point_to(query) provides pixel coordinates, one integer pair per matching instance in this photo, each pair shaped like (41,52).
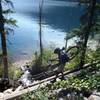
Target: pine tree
(90,24)
(3,32)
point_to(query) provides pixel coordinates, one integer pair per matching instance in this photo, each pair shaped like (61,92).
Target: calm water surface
(59,16)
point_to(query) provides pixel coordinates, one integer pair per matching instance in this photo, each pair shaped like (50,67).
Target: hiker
(62,59)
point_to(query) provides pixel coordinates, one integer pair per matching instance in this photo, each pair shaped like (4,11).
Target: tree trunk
(40,30)
(3,43)
(66,42)
(86,31)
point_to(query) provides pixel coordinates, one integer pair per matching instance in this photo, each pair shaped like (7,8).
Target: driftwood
(43,82)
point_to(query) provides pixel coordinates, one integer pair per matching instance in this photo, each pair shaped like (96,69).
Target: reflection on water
(59,16)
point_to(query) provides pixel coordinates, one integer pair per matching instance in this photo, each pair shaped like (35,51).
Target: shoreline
(20,63)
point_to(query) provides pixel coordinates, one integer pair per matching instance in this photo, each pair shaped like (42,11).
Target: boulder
(1,95)
(94,97)
(85,98)
(26,78)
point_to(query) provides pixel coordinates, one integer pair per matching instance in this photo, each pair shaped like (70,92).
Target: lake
(58,17)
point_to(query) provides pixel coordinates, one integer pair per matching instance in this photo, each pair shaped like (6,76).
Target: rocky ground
(20,63)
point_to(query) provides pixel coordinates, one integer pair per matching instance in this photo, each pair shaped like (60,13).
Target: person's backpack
(64,58)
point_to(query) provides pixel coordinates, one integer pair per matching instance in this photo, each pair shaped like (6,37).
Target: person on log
(62,58)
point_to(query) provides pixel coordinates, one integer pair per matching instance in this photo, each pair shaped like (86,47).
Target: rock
(58,79)
(94,97)
(61,98)
(8,91)
(96,93)
(24,68)
(26,78)
(85,98)
(1,95)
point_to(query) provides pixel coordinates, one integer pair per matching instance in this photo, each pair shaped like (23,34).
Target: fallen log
(81,68)
(34,86)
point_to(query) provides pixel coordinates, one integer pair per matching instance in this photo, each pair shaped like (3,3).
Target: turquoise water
(59,16)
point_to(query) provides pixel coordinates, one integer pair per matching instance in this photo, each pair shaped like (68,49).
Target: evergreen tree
(90,24)
(3,32)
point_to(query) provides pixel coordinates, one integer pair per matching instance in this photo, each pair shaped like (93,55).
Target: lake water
(59,16)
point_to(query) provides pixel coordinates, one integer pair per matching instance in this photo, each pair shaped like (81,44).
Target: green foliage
(90,27)
(7,11)
(27,96)
(11,21)
(92,55)
(71,83)
(1,70)
(39,94)
(87,80)
(93,79)
(72,64)
(98,5)
(14,73)
(75,61)
(88,83)
(36,64)
(47,54)
(95,27)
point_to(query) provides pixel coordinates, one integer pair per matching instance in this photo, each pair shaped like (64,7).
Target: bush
(14,73)
(82,82)
(39,94)
(37,66)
